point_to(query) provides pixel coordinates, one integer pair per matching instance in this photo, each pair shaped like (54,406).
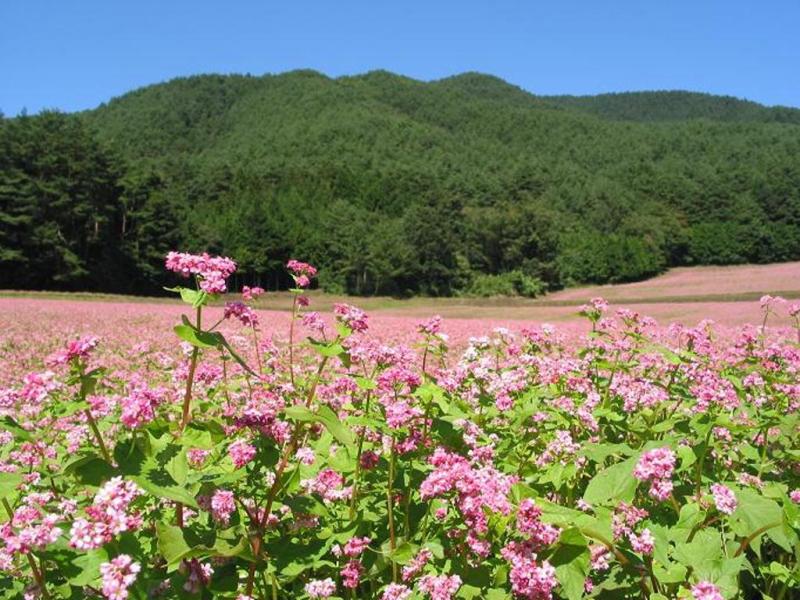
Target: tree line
(391,186)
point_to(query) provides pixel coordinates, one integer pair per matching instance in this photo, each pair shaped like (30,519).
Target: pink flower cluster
(223,505)
(30,528)
(107,516)
(656,466)
(320,588)
(352,317)
(328,484)
(211,271)
(644,543)
(396,591)
(118,576)
(351,574)
(75,349)
(302,273)
(724,498)
(705,590)
(529,523)
(241,453)
(439,587)
(239,310)
(356,546)
(476,489)
(529,578)
(139,406)
(251,293)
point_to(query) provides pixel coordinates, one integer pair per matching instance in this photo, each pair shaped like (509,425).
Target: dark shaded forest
(466,185)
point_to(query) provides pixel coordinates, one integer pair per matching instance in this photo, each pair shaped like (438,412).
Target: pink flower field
(211,449)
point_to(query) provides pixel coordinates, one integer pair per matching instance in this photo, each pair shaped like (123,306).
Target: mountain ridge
(466,184)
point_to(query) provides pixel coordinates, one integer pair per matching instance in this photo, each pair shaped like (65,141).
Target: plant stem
(746,541)
(390,508)
(701,462)
(37,574)
(98,437)
(358,460)
(291,339)
(291,447)
(258,353)
(187,396)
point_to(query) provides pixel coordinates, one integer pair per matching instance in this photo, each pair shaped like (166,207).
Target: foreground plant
(642,462)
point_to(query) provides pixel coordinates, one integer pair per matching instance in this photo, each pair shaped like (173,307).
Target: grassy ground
(726,294)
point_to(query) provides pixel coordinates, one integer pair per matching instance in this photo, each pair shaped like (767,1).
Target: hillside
(676,106)
(395,186)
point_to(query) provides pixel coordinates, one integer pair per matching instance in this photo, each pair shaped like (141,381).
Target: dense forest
(466,185)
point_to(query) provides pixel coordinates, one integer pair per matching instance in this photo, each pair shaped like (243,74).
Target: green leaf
(9,483)
(614,484)
(571,560)
(196,298)
(701,552)
(89,565)
(756,513)
(468,592)
(365,383)
(171,543)
(687,457)
(330,350)
(690,516)
(11,425)
(325,416)
(151,474)
(198,339)
(403,553)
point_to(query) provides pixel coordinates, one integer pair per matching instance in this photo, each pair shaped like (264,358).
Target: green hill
(391,185)
(676,106)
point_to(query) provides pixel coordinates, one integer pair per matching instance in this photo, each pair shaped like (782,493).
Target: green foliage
(394,186)
(511,283)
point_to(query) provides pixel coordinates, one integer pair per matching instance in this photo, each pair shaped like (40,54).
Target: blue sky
(73,55)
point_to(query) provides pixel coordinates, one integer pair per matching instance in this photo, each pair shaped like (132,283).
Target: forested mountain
(677,106)
(391,185)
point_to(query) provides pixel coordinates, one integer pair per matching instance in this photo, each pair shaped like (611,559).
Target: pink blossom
(396,591)
(352,317)
(197,456)
(642,543)
(415,565)
(529,523)
(241,453)
(328,484)
(320,588)
(440,587)
(301,272)
(351,574)
(305,455)
(75,349)
(251,293)
(118,576)
(211,271)
(223,505)
(529,578)
(238,310)
(655,464)
(107,516)
(724,498)
(355,546)
(705,590)
(369,460)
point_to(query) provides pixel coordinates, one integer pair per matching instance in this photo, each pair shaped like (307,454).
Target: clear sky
(75,54)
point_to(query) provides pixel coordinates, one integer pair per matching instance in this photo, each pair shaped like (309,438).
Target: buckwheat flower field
(235,453)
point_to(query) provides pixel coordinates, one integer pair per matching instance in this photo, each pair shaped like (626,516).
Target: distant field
(727,295)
